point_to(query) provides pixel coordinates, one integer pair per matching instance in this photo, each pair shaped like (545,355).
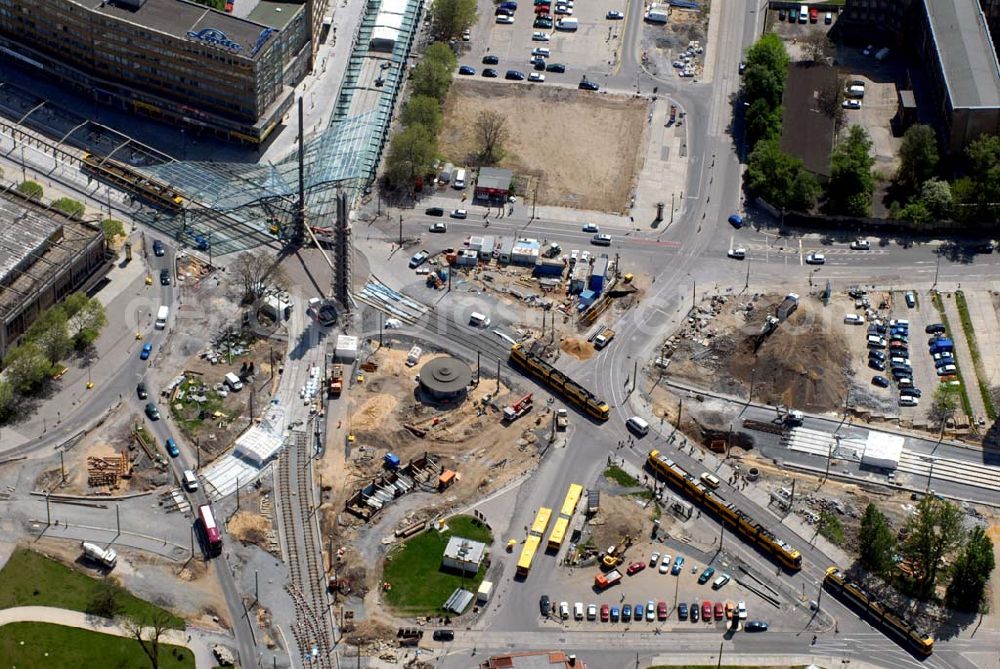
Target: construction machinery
(615,555)
(336,380)
(602,581)
(518,408)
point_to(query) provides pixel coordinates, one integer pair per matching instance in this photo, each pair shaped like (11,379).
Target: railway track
(310,628)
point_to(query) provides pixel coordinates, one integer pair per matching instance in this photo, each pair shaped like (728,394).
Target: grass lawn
(621,477)
(419,586)
(44,645)
(31,579)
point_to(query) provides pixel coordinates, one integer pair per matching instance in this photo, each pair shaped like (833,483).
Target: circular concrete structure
(445,378)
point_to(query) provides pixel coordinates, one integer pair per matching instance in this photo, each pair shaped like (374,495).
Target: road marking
(800,253)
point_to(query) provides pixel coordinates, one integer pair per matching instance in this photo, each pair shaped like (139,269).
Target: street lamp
(930,473)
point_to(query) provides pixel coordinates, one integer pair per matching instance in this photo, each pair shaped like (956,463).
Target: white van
(190,480)
(711,480)
(854,319)
(804,14)
(233,382)
(578,611)
(161,317)
(637,425)
(479,320)
(458,182)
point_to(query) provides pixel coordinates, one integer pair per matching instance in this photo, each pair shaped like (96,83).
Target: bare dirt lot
(555,134)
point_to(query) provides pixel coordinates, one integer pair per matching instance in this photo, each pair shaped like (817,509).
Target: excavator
(615,555)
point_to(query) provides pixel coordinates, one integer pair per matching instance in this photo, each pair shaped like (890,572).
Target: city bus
(558,534)
(572,499)
(213,537)
(527,555)
(541,522)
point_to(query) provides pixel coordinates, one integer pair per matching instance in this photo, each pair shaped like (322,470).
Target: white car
(653,559)
(542,51)
(467,35)
(563,10)
(739,253)
(591,227)
(615,16)
(908,401)
(650,611)
(459,213)
(536,76)
(860,245)
(601,239)
(815,258)
(592,612)
(439,227)
(540,37)
(851,104)
(741,610)
(505,20)
(665,563)
(563,610)
(578,611)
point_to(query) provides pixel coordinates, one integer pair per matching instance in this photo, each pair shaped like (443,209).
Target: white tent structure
(257,446)
(882,451)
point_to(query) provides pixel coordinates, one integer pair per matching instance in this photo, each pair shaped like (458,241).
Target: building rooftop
(275,14)
(494,178)
(189,20)
(23,235)
(966,51)
(465,550)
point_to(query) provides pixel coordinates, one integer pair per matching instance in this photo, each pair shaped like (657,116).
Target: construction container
(598,275)
(347,348)
(391,461)
(549,268)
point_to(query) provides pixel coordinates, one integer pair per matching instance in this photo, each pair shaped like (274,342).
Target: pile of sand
(373,412)
(249,528)
(578,348)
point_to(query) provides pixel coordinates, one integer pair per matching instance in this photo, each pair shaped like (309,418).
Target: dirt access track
(585,147)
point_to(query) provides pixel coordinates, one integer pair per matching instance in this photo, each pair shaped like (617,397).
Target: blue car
(627,612)
(639,612)
(467,69)
(706,575)
(615,614)
(146,350)
(678,563)
(736,221)
(682,611)
(172,448)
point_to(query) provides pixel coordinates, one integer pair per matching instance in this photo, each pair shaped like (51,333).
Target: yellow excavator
(615,555)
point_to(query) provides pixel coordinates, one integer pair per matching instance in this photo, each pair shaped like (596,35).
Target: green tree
(761,122)
(877,542)
(86,322)
(31,190)
(50,333)
(918,158)
(936,196)
(6,400)
(851,184)
(70,207)
(441,53)
(106,600)
(971,572)
(491,132)
(422,110)
(112,228)
(768,52)
(27,368)
(831,528)
(411,154)
(779,178)
(980,190)
(932,533)
(945,403)
(450,18)
(916,212)
(431,78)
(760,83)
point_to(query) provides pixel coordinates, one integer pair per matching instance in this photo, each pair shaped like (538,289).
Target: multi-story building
(951,40)
(173,60)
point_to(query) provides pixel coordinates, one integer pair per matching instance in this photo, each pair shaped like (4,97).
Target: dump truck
(106,557)
(602,581)
(518,408)
(336,380)
(604,339)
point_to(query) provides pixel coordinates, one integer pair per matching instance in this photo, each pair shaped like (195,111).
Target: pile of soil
(578,348)
(373,412)
(249,528)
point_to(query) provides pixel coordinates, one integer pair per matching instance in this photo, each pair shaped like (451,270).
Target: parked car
(626,612)
(140,390)
(545,605)
(695,612)
(876,364)
(908,401)
(605,613)
(721,581)
(720,612)
(736,221)
(614,16)
(682,611)
(514,75)
(147,349)
(491,60)
(915,392)
(665,564)
(443,635)
(505,20)
(555,67)
(543,22)
(434,211)
(880,381)
(815,258)
(654,558)
(536,77)
(635,568)
(564,610)
(172,449)
(706,611)
(615,614)
(592,612)
(638,611)
(418,259)
(164,277)
(935,328)
(678,563)
(706,575)
(661,610)
(911,299)
(757,625)
(738,253)
(490,73)
(467,70)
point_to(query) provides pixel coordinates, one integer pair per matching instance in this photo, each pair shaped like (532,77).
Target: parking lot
(678,593)
(589,50)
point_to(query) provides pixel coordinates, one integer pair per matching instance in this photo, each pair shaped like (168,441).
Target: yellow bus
(572,499)
(541,522)
(527,555)
(558,534)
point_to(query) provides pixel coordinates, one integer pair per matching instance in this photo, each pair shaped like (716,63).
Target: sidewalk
(197,642)
(983,315)
(964,357)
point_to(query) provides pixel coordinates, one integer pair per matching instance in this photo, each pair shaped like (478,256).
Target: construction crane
(518,408)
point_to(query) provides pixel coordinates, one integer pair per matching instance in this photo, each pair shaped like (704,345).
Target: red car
(661,611)
(720,612)
(813,15)
(542,9)
(635,568)
(605,613)
(706,611)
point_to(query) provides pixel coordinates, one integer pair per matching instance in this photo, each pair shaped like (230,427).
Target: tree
(87,320)
(112,228)
(768,52)
(918,158)
(933,532)
(423,110)
(147,630)
(70,207)
(936,197)
(450,18)
(851,184)
(491,132)
(877,542)
(971,572)
(256,273)
(31,190)
(829,99)
(779,178)
(915,212)
(431,78)
(7,400)
(27,367)
(411,155)
(761,122)
(760,83)
(945,403)
(49,332)
(441,53)
(106,600)
(817,46)
(831,528)
(980,190)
